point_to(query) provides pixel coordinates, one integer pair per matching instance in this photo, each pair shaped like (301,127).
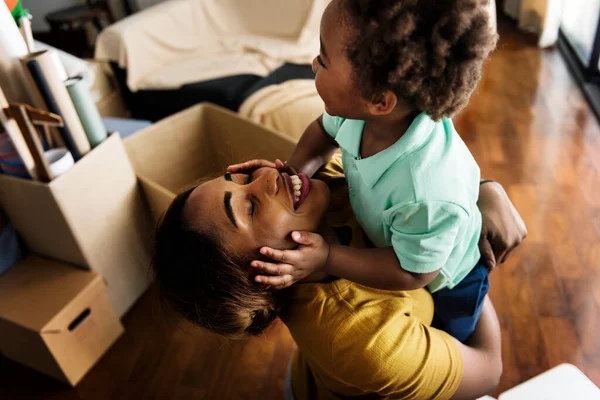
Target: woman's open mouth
(298,188)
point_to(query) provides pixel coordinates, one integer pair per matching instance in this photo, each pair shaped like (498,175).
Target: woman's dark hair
(429,52)
(205,284)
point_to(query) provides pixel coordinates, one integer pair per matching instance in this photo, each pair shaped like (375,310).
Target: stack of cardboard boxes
(60,319)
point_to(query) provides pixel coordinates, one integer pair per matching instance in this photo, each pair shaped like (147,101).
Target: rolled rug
(86,109)
(42,71)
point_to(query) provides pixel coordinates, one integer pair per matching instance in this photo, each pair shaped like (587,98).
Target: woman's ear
(383,103)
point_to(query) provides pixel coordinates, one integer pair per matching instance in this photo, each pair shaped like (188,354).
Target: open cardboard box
(93,216)
(55,318)
(197,143)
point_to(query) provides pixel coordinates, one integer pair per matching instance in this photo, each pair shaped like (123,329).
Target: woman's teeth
(297,185)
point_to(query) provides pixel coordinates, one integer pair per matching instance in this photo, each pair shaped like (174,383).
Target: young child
(391,73)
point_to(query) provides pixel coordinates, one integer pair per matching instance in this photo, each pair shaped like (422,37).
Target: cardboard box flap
(158,197)
(171,152)
(86,163)
(200,142)
(34,291)
(106,212)
(234,139)
(46,231)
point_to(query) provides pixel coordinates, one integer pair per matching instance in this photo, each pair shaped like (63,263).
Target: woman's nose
(267,184)
(315,65)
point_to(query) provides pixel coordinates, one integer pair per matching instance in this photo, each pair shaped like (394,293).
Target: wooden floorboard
(529,127)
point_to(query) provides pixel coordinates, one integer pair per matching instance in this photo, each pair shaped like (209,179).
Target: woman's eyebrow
(227,177)
(228,209)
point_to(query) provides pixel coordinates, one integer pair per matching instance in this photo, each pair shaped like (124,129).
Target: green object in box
(16,9)
(87,111)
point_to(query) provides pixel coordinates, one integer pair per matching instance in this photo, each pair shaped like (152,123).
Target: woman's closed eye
(251,206)
(251,200)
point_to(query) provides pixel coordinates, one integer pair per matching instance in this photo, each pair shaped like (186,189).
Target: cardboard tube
(86,108)
(12,47)
(60,67)
(25,29)
(41,70)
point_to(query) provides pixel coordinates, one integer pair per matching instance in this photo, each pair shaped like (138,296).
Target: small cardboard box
(93,216)
(196,143)
(55,318)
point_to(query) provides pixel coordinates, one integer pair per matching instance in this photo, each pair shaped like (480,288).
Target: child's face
(335,78)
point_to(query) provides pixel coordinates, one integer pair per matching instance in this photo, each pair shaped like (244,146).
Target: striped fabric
(10,162)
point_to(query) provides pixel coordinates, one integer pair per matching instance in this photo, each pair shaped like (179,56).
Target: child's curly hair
(429,52)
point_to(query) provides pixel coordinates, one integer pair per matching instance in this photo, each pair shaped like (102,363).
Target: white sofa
(180,42)
(183,52)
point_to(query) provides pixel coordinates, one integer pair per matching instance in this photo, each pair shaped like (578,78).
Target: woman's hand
(257,164)
(293,265)
(502,229)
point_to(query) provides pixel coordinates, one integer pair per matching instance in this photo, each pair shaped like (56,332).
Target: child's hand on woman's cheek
(293,265)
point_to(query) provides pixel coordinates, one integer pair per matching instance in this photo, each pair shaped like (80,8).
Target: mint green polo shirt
(418,196)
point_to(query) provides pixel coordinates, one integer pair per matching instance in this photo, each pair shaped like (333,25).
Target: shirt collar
(349,136)
(372,168)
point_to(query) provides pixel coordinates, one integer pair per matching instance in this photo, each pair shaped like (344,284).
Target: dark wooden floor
(530,128)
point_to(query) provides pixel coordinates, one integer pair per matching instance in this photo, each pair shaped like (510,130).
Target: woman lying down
(353,341)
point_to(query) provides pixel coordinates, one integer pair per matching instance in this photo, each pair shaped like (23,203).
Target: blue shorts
(457,310)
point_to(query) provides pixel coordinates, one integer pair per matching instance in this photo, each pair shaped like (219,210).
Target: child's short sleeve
(332,124)
(424,234)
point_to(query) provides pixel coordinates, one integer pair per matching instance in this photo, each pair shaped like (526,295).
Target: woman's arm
(384,348)
(313,150)
(482,357)
(503,228)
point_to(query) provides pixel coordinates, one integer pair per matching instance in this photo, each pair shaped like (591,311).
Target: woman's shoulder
(328,312)
(373,338)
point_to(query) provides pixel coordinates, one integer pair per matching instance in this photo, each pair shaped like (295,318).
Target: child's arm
(313,150)
(376,268)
